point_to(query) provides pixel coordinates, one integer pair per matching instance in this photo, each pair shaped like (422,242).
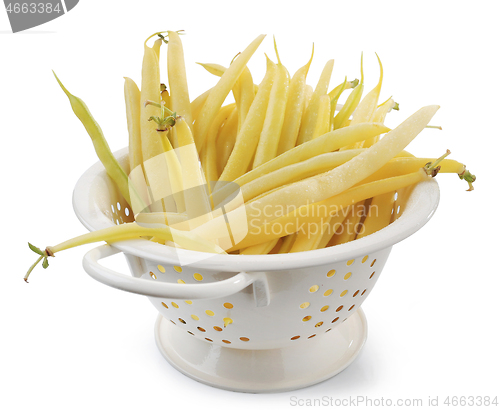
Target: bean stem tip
(467,176)
(43,255)
(432,168)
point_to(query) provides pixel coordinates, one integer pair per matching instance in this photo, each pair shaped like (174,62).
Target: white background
(70,342)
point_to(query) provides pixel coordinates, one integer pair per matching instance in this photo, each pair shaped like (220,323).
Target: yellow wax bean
(342,118)
(334,97)
(220,92)
(160,217)
(294,172)
(335,237)
(346,85)
(323,120)
(197,104)
(244,95)
(378,215)
(248,137)
(313,213)
(122,232)
(263,195)
(346,175)
(288,225)
(243,90)
(326,143)
(351,225)
(165,97)
(379,116)
(311,114)
(150,90)
(101,147)
(335,223)
(215,69)
(226,140)
(194,185)
(158,240)
(308,95)
(308,92)
(267,147)
(406,165)
(306,239)
(260,249)
(277,247)
(288,242)
(151,140)
(133,109)
(203,159)
(156,47)
(405,154)
(383,109)
(179,94)
(311,239)
(294,108)
(210,159)
(218,70)
(366,108)
(173,177)
(351,103)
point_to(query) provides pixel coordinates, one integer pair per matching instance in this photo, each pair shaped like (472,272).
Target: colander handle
(173,290)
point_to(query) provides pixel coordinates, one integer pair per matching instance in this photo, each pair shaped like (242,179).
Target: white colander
(255,323)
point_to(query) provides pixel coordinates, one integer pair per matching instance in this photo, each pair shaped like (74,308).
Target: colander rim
(420,207)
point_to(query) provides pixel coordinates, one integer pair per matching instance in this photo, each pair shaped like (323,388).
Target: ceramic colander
(252,323)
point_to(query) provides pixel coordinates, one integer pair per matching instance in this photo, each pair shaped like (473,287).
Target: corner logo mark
(27,14)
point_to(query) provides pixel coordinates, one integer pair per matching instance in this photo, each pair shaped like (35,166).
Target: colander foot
(263,371)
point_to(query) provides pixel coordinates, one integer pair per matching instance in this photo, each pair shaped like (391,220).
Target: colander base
(263,371)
